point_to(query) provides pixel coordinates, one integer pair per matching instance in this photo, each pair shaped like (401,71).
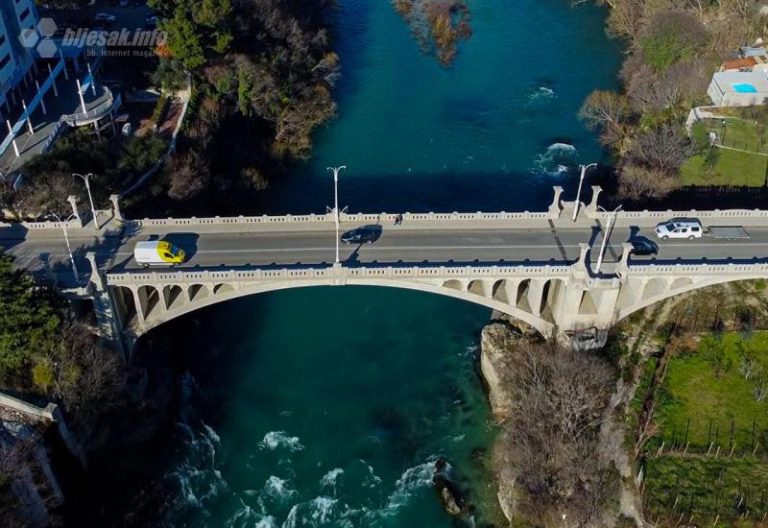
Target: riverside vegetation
(672,50)
(438,25)
(48,353)
(261,67)
(666,425)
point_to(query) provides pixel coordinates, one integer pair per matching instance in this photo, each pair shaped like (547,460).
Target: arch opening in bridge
(173,296)
(197,292)
(149,299)
(500,292)
(478,288)
(454,284)
(653,288)
(550,294)
(122,296)
(221,289)
(521,301)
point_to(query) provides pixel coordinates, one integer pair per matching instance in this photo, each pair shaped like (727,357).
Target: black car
(362,235)
(643,247)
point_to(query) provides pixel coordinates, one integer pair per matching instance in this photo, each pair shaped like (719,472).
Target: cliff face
(550,402)
(496,341)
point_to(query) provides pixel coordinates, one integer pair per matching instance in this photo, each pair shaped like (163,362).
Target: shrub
(43,374)
(672,36)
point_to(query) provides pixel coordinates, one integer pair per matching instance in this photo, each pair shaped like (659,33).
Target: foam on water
(329,480)
(540,94)
(412,480)
(557,159)
(279,489)
(371,479)
(279,439)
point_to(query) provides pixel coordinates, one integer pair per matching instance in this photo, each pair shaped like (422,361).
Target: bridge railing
(693,213)
(699,269)
(328,217)
(329,273)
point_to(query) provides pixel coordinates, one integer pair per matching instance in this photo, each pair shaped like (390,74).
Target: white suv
(689,228)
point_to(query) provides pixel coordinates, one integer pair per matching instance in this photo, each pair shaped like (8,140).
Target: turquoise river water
(328,407)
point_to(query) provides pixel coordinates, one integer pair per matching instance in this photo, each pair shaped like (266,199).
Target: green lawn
(706,488)
(725,167)
(692,403)
(696,406)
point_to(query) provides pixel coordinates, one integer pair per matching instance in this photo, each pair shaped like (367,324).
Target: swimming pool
(744,88)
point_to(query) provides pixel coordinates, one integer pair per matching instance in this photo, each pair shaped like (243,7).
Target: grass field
(696,406)
(725,167)
(702,398)
(706,488)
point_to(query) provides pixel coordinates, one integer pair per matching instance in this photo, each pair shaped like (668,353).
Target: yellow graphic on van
(170,253)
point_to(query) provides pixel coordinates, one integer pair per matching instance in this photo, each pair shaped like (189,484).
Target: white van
(689,228)
(157,253)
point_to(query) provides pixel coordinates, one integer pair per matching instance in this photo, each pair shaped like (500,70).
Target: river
(329,407)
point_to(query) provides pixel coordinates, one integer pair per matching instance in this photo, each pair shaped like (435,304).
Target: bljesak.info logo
(123,41)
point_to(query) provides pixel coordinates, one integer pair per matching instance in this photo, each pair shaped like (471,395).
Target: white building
(16,16)
(739,88)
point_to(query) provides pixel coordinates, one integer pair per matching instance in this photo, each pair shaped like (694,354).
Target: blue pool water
(744,88)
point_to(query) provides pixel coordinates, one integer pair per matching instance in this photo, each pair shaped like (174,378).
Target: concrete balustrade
(588,212)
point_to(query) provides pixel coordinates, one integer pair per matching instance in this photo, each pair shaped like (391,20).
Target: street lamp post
(610,222)
(336,206)
(87,179)
(584,169)
(63,224)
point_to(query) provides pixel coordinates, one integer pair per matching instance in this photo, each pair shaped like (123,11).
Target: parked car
(641,246)
(680,228)
(362,235)
(104,18)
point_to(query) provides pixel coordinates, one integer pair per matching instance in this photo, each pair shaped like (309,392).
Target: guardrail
(327,272)
(407,218)
(698,269)
(102,110)
(331,273)
(328,217)
(666,215)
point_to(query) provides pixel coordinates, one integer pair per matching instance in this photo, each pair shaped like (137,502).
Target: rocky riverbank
(555,458)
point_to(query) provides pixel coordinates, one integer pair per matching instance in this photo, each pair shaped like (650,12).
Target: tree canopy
(29,320)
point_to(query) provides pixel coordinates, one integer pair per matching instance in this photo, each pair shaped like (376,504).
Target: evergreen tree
(29,321)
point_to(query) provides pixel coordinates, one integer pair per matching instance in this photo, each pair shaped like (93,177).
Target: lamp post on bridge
(87,180)
(64,224)
(584,169)
(336,171)
(610,222)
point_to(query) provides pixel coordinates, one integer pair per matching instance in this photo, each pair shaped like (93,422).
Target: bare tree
(551,434)
(189,174)
(664,148)
(89,377)
(48,194)
(638,183)
(604,108)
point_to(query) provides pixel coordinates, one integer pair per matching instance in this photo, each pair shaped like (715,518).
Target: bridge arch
(201,296)
(676,287)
